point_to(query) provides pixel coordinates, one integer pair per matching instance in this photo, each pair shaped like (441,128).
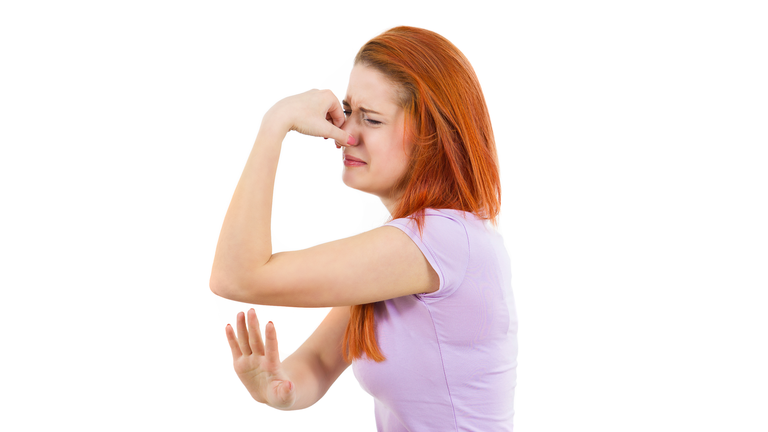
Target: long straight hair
(453,164)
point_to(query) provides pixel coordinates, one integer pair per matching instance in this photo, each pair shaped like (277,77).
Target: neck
(389,203)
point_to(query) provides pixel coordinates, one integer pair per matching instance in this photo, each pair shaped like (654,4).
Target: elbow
(221,287)
(216,288)
(237,290)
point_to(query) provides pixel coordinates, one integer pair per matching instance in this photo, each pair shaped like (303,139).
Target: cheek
(396,167)
(403,163)
(393,155)
(403,158)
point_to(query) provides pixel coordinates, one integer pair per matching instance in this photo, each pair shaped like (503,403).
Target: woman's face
(373,116)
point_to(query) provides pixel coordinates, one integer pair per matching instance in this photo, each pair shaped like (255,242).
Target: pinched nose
(354,134)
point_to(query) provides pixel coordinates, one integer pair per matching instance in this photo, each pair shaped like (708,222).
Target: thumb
(341,137)
(285,390)
(285,394)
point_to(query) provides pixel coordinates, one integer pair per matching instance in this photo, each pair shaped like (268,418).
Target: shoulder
(440,229)
(444,241)
(436,221)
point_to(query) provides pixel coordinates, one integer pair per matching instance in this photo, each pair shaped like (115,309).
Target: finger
(330,120)
(242,334)
(342,138)
(337,119)
(336,113)
(271,353)
(232,339)
(254,333)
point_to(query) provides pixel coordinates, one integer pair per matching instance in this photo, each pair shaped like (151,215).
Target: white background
(632,138)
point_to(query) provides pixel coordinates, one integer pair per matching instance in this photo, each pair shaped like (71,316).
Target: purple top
(451,355)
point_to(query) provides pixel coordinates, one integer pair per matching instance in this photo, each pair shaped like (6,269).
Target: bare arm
(245,240)
(304,377)
(317,364)
(380,264)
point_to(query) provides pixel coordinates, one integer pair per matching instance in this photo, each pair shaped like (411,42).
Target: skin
(379,264)
(377,122)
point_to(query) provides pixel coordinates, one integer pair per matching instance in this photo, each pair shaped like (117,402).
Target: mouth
(353,161)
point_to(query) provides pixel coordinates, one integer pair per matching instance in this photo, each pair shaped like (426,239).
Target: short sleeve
(445,244)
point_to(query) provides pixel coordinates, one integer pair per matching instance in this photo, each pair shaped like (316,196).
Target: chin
(350,180)
(351,183)
(357,185)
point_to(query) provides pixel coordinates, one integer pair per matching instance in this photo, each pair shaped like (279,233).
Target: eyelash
(369,121)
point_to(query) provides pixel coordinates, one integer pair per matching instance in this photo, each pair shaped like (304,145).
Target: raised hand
(257,363)
(315,112)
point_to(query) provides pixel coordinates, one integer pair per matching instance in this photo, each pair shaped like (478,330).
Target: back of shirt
(451,355)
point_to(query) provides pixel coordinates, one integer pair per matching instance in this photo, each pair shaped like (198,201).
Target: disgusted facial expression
(376,120)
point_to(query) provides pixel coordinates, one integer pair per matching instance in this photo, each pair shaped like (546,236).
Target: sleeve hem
(440,293)
(434,257)
(425,250)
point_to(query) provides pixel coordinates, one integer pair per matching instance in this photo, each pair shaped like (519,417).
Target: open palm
(257,363)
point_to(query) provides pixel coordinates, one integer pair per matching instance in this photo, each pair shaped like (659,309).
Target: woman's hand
(258,364)
(315,112)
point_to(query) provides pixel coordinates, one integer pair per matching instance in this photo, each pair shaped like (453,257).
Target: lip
(353,161)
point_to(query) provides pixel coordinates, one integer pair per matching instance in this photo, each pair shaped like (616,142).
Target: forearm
(309,378)
(318,362)
(245,240)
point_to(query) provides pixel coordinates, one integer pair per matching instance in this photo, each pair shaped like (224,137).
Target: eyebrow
(365,110)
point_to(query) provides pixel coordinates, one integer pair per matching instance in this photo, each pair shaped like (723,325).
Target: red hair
(453,163)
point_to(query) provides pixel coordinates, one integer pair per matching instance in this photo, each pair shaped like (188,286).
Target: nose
(351,128)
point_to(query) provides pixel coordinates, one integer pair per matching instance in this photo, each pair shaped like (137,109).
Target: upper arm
(376,265)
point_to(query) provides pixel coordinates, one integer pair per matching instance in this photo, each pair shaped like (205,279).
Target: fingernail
(351,140)
(338,146)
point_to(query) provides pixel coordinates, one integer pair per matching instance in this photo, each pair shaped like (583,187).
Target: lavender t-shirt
(451,355)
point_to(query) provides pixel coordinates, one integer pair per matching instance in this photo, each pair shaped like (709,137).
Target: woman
(422,306)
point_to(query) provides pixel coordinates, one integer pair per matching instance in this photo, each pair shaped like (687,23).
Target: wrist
(275,121)
(273,129)
(271,135)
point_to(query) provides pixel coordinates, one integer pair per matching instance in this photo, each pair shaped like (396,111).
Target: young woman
(422,306)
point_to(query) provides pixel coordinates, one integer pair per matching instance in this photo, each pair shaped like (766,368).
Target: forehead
(370,89)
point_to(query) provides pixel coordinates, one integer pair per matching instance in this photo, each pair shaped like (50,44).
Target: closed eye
(371,122)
